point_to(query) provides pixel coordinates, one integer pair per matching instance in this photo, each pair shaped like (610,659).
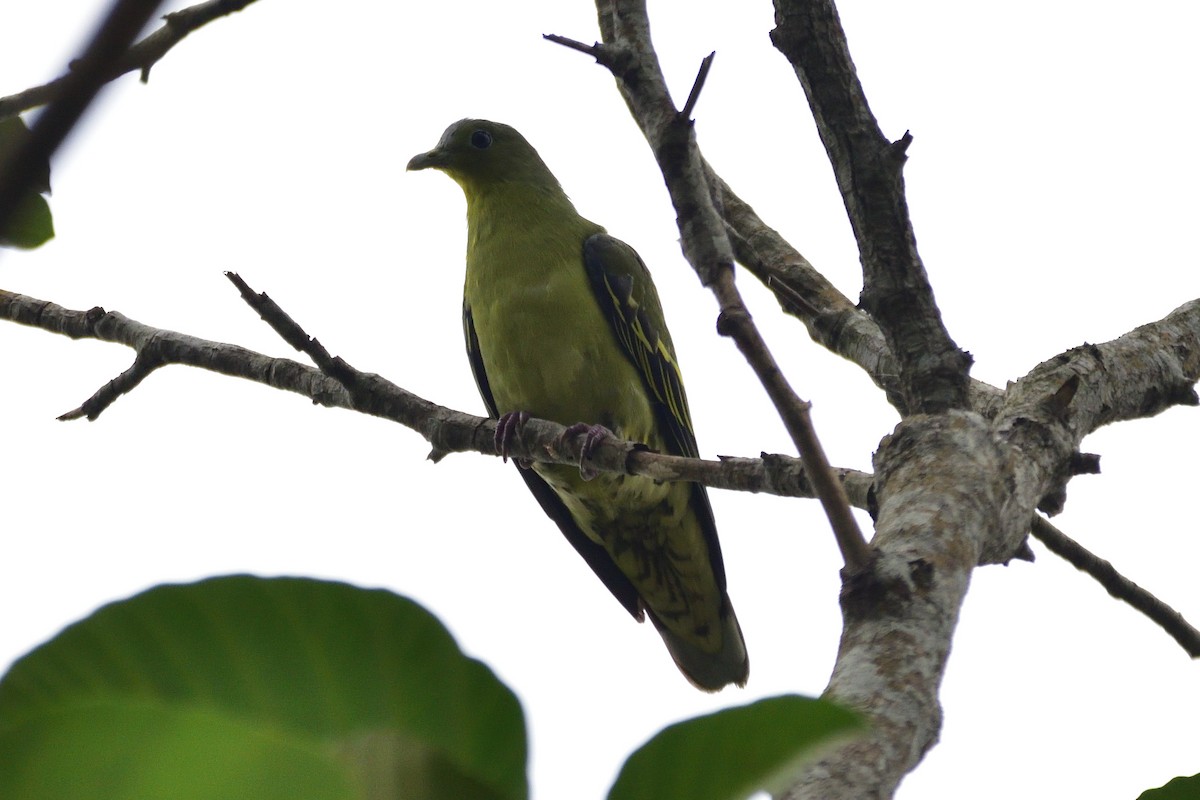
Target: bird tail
(708,671)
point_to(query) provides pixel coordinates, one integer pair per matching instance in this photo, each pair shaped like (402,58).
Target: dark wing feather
(595,555)
(629,301)
(627,297)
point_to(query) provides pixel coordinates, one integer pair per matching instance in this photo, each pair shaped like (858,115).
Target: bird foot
(595,435)
(508,426)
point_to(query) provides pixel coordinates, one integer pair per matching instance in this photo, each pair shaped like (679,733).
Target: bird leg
(595,435)
(507,427)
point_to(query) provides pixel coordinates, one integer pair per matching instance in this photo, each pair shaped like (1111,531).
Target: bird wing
(594,554)
(629,301)
(627,297)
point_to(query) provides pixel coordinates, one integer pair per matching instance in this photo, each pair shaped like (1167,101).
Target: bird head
(479,154)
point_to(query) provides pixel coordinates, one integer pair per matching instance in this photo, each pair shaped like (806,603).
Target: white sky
(1052,184)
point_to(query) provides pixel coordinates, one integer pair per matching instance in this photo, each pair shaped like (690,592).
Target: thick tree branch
(832,320)
(141,56)
(868,168)
(938,501)
(1047,413)
(953,490)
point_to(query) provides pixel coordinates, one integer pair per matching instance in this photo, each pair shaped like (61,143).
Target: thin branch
(594,50)
(832,320)
(1118,585)
(629,54)
(147,360)
(697,86)
(735,321)
(454,431)
(357,384)
(20,171)
(141,56)
(446,429)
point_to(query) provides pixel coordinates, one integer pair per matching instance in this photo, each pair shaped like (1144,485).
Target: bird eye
(481,139)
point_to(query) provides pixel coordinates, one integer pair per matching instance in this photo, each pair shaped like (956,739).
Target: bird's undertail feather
(710,671)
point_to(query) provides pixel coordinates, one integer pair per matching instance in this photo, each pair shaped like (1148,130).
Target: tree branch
(141,56)
(1047,413)
(20,171)
(802,291)
(338,385)
(1118,585)
(953,490)
(868,168)
(446,429)
(629,54)
(832,320)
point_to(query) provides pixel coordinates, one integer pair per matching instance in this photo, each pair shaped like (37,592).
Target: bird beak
(434,159)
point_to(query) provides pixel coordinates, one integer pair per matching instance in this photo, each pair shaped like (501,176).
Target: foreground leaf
(343,689)
(125,751)
(30,225)
(733,753)
(1175,789)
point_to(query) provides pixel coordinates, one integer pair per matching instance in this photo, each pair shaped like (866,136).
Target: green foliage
(290,687)
(733,753)
(1175,789)
(31,224)
(241,686)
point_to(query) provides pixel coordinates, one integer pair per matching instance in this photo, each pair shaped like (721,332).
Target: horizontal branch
(449,430)
(1048,412)
(446,429)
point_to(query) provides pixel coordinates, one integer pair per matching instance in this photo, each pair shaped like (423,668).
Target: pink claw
(507,427)
(595,435)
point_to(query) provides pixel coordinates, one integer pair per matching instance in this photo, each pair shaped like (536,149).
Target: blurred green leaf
(31,224)
(733,753)
(126,751)
(361,688)
(1175,789)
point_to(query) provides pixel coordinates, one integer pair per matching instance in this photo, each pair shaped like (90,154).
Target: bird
(562,322)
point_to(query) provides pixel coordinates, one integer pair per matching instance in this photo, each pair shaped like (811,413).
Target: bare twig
(147,360)
(735,322)
(1118,585)
(448,430)
(19,172)
(141,56)
(697,86)
(593,50)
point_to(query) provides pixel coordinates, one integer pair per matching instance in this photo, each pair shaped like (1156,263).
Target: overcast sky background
(1052,182)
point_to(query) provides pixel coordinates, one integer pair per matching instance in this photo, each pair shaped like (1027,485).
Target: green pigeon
(563,322)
